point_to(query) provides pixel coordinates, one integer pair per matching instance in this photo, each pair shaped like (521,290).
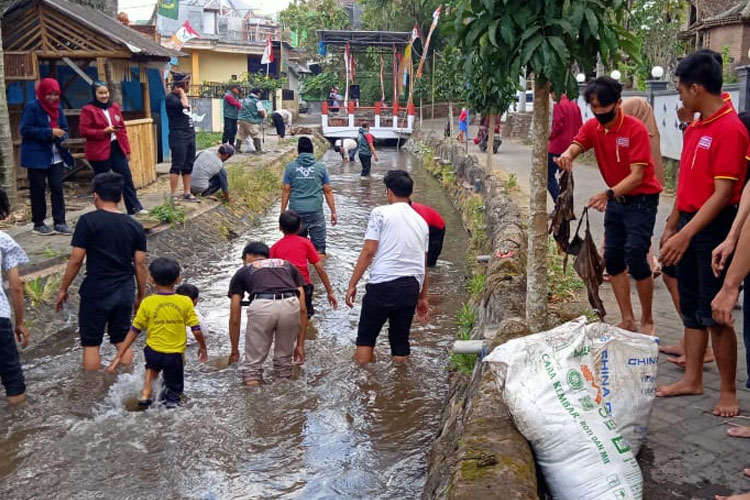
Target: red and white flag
(267,57)
(382,81)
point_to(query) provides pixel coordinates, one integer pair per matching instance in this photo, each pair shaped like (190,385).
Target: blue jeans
(552,185)
(314,227)
(366,161)
(218,181)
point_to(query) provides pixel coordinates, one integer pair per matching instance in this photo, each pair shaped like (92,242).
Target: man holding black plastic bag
(623,152)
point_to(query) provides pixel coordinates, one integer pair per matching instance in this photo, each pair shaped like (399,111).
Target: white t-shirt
(402,236)
(11,255)
(346,144)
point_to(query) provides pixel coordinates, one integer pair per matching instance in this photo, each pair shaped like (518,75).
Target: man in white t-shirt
(347,148)
(395,245)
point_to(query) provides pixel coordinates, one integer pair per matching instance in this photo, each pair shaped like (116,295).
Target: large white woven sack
(552,384)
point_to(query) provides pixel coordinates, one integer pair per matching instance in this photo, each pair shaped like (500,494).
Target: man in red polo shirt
(623,152)
(712,171)
(566,121)
(436,225)
(300,251)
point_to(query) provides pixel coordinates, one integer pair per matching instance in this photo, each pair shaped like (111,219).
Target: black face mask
(605,118)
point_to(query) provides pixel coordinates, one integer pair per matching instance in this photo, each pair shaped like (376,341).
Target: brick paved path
(688,454)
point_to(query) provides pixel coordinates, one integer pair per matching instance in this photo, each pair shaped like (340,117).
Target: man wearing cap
(181,135)
(232,108)
(209,174)
(250,119)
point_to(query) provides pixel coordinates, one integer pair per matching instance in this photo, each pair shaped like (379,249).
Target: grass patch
(50,252)
(465,321)
(563,285)
(168,212)
(256,188)
(40,291)
(205,140)
(475,285)
(511,183)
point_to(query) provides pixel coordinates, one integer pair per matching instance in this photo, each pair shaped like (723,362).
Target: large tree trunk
(536,265)
(7,162)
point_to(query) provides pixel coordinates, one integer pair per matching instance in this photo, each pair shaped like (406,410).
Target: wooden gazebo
(76,44)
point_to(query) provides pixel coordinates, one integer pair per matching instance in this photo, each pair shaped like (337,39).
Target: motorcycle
(481,138)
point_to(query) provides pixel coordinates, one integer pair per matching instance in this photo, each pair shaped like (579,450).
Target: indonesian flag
(382,81)
(347,68)
(435,18)
(267,57)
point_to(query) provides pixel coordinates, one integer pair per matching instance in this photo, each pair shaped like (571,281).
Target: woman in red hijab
(43,130)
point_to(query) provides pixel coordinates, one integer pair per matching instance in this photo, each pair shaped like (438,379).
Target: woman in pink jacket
(107,146)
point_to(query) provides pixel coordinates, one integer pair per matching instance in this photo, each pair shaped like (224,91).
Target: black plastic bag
(563,213)
(590,266)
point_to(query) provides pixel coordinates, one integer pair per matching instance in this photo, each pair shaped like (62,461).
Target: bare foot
(145,394)
(680,388)
(740,432)
(707,358)
(647,328)
(674,349)
(627,325)
(743,496)
(17,399)
(728,405)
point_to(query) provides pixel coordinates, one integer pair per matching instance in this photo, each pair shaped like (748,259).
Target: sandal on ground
(190,197)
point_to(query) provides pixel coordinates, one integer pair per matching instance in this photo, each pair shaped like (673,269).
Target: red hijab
(46,87)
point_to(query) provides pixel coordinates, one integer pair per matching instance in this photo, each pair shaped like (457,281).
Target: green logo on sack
(620,444)
(575,381)
(587,404)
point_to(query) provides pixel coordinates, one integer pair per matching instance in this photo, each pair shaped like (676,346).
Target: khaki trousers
(247,129)
(268,321)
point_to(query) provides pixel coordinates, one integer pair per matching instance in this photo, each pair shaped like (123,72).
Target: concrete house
(716,24)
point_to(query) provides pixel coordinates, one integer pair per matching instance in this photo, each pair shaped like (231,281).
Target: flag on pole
(435,18)
(169,8)
(347,67)
(267,57)
(414,33)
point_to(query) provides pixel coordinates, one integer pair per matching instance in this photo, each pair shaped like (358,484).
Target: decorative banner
(382,82)
(169,8)
(293,39)
(435,18)
(395,76)
(183,34)
(267,57)
(347,68)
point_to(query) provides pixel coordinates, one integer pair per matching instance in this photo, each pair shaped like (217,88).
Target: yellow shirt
(165,316)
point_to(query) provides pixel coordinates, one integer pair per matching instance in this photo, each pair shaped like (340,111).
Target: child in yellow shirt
(165,316)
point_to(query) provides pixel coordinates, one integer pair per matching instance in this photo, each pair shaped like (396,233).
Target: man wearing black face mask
(623,153)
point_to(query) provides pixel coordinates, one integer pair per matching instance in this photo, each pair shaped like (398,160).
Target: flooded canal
(335,431)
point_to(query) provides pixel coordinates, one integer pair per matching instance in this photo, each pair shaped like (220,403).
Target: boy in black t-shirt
(276,313)
(114,245)
(181,135)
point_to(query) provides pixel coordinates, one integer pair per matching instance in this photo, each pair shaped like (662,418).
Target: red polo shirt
(625,144)
(431,216)
(714,148)
(298,251)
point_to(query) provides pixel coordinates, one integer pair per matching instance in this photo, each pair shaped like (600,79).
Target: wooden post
(194,67)
(420,111)
(115,88)
(101,68)
(145,90)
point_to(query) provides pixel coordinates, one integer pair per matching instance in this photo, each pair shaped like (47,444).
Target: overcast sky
(142,9)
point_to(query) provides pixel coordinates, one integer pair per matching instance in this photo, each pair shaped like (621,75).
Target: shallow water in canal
(334,431)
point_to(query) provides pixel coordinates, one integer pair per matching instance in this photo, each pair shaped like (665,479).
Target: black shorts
(171,364)
(628,228)
(183,155)
(435,245)
(308,299)
(11,373)
(695,279)
(393,301)
(112,313)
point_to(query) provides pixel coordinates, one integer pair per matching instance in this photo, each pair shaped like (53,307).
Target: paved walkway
(688,454)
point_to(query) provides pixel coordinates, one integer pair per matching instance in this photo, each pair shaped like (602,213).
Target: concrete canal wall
(478,452)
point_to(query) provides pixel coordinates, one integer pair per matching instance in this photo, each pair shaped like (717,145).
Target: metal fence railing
(217,90)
